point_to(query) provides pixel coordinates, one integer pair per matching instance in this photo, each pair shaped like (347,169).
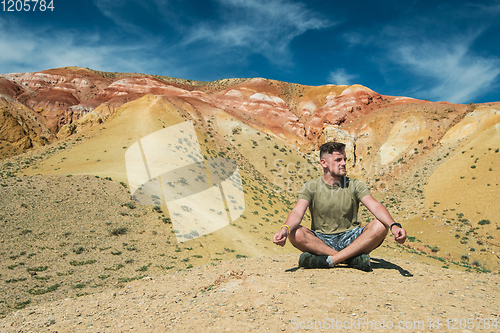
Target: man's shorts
(340,241)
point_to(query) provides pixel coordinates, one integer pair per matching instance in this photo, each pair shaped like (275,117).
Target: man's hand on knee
(399,234)
(280,237)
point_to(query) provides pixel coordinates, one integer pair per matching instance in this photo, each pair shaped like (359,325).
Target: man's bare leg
(304,240)
(371,237)
(373,234)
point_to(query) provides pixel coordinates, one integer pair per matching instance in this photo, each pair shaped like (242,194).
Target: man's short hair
(330,147)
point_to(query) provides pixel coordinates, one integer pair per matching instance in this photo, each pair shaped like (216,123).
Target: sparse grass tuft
(21,305)
(15,280)
(118,231)
(130,205)
(79,250)
(143,268)
(42,291)
(38,269)
(115,267)
(81,263)
(124,280)
(434,248)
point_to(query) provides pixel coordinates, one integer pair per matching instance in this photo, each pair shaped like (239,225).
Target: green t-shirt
(334,209)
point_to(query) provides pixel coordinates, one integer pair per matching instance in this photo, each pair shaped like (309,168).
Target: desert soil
(271,294)
(77,256)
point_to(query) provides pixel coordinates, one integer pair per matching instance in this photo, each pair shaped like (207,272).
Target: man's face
(335,163)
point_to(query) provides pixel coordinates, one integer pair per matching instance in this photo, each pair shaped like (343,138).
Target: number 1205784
(27,5)
(471,323)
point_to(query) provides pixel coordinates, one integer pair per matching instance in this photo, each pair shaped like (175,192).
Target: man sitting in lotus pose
(335,235)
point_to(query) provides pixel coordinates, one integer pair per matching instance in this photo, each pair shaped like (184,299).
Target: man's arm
(381,214)
(293,221)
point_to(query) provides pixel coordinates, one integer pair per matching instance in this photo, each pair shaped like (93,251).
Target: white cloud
(355,39)
(341,77)
(441,53)
(456,75)
(234,31)
(256,27)
(46,49)
(112,9)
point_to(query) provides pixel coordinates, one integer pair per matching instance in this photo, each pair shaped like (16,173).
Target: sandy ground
(265,293)
(271,294)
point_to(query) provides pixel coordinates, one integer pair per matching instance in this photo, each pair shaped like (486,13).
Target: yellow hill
(102,151)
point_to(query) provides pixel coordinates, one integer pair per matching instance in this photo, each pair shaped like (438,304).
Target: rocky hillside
(66,99)
(70,227)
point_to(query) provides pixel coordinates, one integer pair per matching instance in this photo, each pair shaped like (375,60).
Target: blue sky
(435,50)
